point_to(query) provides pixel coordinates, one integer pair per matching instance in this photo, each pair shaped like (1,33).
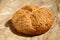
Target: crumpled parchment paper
(9,7)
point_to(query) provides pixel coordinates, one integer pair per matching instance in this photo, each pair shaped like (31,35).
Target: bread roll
(32,20)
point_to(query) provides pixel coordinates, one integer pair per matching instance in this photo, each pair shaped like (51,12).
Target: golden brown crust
(32,20)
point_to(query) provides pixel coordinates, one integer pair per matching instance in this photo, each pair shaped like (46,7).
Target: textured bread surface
(32,20)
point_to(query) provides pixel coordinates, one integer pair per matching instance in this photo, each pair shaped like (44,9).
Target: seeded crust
(32,20)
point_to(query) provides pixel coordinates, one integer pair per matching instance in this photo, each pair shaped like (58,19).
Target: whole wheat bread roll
(32,20)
